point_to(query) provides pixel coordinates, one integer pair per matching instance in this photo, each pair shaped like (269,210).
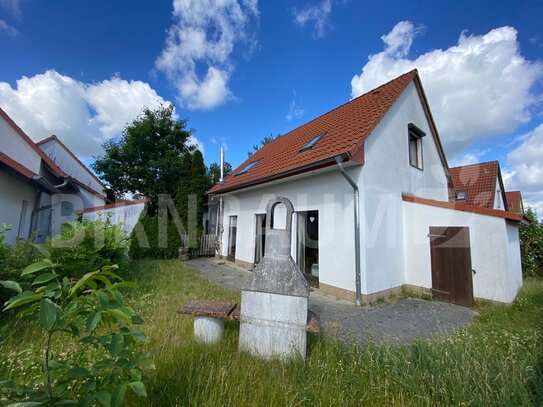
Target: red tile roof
(514,202)
(50,163)
(54,137)
(345,129)
(478,181)
(15,166)
(459,206)
(55,168)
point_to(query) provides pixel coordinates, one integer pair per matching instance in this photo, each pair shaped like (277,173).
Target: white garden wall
(127,215)
(495,254)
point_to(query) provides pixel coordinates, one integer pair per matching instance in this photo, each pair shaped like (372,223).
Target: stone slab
(208,308)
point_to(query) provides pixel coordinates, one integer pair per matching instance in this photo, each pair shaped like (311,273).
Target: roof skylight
(312,142)
(247,167)
(461,195)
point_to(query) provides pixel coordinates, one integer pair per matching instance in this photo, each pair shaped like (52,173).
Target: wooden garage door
(451,265)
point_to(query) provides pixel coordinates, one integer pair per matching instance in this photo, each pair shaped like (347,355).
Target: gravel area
(401,321)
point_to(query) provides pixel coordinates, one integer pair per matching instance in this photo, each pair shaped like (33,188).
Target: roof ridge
(413,72)
(473,164)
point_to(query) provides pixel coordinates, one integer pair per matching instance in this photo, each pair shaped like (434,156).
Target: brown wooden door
(451,265)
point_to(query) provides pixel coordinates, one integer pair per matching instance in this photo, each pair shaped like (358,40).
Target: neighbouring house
(43,185)
(514,202)
(370,186)
(479,184)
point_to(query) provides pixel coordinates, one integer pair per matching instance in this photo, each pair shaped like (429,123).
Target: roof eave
(285,174)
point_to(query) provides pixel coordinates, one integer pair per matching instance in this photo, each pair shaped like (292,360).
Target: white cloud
(197,57)
(13,6)
(117,102)
(524,169)
(480,87)
(83,115)
(295,109)
(318,13)
(11,31)
(470,157)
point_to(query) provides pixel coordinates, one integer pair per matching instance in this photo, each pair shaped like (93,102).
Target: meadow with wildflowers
(497,360)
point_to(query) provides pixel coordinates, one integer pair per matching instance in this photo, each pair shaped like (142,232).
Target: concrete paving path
(401,321)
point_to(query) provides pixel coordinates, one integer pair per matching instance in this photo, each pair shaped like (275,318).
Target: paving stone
(401,321)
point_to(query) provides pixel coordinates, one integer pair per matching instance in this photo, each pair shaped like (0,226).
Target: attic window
(461,195)
(415,145)
(247,167)
(312,142)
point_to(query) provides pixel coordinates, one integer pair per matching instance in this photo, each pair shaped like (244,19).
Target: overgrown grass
(498,360)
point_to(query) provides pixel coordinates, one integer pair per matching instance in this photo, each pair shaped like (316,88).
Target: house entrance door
(308,245)
(450,253)
(232,233)
(260,237)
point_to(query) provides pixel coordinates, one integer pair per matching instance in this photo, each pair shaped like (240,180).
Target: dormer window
(415,145)
(312,142)
(247,167)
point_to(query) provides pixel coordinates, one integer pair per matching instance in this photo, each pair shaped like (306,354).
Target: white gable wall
(18,149)
(68,164)
(386,175)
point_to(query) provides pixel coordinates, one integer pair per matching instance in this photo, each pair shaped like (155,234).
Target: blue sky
(242,70)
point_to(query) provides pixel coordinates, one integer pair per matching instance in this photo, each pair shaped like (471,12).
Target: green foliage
(531,245)
(93,311)
(4,246)
(263,142)
(87,245)
(214,173)
(147,159)
(23,253)
(494,362)
(155,237)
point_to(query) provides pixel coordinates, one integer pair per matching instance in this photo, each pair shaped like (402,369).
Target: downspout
(220,209)
(339,163)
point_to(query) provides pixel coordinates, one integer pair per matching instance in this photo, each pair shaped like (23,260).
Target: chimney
(221,180)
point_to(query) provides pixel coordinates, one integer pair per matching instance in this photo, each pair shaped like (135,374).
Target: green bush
(149,240)
(15,259)
(92,311)
(531,245)
(85,246)
(4,246)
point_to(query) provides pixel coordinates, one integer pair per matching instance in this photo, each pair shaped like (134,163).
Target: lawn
(498,360)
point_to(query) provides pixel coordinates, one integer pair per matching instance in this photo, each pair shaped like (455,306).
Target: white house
(370,187)
(41,184)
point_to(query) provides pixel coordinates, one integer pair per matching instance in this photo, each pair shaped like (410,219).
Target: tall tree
(198,189)
(148,158)
(214,173)
(531,245)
